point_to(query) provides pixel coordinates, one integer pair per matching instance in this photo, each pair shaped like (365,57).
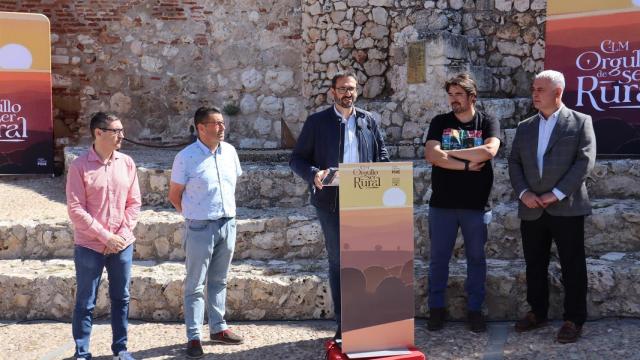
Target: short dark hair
(203,113)
(465,81)
(100,120)
(342,74)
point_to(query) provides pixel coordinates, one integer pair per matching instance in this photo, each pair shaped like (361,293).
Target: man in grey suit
(551,156)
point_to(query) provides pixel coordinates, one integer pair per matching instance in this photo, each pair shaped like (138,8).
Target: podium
(376,261)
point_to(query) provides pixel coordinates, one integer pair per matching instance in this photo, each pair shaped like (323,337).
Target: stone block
(483,77)
(248,104)
(503,5)
(288,290)
(375,31)
(447,45)
(375,67)
(151,64)
(380,16)
(358,3)
(314,9)
(262,126)
(521,5)
(340,5)
(280,81)
(538,4)
(251,79)
(374,87)
(271,105)
(537,50)
(501,109)
(330,54)
(385,3)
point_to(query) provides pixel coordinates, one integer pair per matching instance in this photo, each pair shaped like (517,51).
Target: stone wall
(270,62)
(279,290)
(294,233)
(154,62)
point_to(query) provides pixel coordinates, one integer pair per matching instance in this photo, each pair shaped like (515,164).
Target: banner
(26,126)
(596,44)
(376,256)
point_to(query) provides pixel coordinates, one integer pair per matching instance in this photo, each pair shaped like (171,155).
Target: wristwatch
(466,164)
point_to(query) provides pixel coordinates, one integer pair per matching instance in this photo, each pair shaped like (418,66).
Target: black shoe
(476,322)
(194,349)
(436,319)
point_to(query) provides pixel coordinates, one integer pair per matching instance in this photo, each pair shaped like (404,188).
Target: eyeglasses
(216,123)
(115,131)
(343,90)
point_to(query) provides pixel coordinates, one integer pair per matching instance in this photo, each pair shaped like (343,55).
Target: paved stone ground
(611,339)
(32,197)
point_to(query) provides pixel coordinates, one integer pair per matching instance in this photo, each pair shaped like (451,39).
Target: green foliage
(231,109)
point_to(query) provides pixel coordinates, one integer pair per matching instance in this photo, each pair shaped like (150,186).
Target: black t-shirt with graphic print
(459,189)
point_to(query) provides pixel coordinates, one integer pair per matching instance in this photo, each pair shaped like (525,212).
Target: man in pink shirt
(103,201)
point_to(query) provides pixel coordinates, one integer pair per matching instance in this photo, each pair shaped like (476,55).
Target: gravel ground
(610,339)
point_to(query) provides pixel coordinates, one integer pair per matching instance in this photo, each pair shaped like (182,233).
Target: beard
(346,102)
(458,108)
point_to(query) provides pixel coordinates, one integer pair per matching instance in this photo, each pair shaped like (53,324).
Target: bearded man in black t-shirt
(460,145)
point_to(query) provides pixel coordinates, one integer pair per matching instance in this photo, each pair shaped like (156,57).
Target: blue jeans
(89,265)
(209,246)
(330,223)
(443,230)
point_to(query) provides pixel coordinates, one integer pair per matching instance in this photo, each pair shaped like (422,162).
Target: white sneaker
(123,355)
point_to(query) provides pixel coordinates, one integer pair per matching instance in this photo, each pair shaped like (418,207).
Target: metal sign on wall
(26,126)
(596,44)
(416,72)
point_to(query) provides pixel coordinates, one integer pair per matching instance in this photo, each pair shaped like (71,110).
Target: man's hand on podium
(319,177)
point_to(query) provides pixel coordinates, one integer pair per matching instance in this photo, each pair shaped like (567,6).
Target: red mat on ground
(334,352)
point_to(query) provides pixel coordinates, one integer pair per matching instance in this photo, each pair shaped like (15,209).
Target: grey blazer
(568,160)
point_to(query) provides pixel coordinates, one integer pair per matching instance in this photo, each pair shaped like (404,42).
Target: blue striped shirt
(209,179)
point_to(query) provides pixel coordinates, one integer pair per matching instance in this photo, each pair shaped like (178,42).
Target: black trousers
(568,234)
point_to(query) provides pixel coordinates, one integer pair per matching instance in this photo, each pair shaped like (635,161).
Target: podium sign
(376,256)
(596,44)
(26,126)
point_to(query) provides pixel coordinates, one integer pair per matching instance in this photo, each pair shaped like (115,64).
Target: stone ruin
(268,63)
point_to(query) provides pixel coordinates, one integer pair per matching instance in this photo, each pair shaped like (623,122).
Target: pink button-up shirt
(103,198)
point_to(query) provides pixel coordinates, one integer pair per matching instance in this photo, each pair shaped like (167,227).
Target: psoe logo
(366,178)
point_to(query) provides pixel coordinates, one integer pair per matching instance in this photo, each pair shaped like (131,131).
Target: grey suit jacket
(568,159)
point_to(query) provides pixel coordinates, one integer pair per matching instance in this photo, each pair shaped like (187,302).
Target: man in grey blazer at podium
(551,156)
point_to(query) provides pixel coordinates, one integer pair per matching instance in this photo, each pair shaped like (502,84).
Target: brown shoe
(569,332)
(226,337)
(529,322)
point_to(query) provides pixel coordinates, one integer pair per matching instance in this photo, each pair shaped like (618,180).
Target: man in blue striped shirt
(203,184)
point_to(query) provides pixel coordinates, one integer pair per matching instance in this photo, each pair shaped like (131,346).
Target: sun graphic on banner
(15,57)
(25,43)
(394,197)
